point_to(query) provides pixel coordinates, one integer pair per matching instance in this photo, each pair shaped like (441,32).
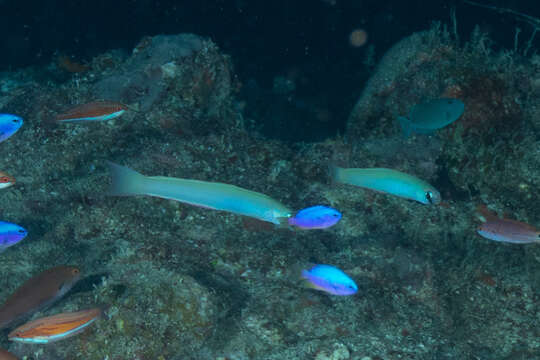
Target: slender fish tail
(406,126)
(336,173)
(125,181)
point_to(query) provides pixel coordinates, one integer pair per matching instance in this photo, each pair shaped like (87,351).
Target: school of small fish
(47,287)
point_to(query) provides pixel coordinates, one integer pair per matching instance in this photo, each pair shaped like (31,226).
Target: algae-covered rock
(179,81)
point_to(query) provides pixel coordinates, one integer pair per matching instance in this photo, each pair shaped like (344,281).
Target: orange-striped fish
(506,230)
(6,180)
(54,328)
(93,111)
(6,355)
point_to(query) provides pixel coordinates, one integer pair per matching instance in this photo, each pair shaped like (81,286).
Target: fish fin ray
(125,181)
(406,126)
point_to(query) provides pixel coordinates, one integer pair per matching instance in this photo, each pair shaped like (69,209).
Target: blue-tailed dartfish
(53,328)
(9,124)
(329,279)
(388,181)
(315,217)
(10,234)
(431,115)
(210,195)
(93,111)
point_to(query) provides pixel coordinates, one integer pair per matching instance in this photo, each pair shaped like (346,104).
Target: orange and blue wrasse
(94,111)
(39,292)
(510,231)
(53,328)
(6,180)
(505,230)
(6,355)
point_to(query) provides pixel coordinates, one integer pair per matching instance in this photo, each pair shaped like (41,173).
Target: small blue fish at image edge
(329,279)
(9,124)
(10,234)
(315,217)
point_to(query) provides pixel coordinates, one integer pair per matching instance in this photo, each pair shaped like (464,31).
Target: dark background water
(305,42)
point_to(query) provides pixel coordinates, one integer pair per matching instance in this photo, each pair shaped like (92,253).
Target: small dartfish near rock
(10,234)
(53,328)
(93,111)
(38,292)
(9,124)
(329,279)
(431,115)
(315,217)
(388,181)
(6,180)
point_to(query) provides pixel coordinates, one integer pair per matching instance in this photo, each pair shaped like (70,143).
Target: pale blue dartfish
(389,181)
(431,115)
(211,195)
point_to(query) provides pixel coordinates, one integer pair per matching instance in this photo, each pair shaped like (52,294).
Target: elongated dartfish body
(389,181)
(211,195)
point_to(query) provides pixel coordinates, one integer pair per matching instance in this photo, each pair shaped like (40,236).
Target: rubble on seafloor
(182,282)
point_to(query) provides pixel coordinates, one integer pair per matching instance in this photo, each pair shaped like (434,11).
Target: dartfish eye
(21,231)
(429,197)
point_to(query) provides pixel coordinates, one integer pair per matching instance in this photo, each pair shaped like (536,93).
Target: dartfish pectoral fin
(406,126)
(284,221)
